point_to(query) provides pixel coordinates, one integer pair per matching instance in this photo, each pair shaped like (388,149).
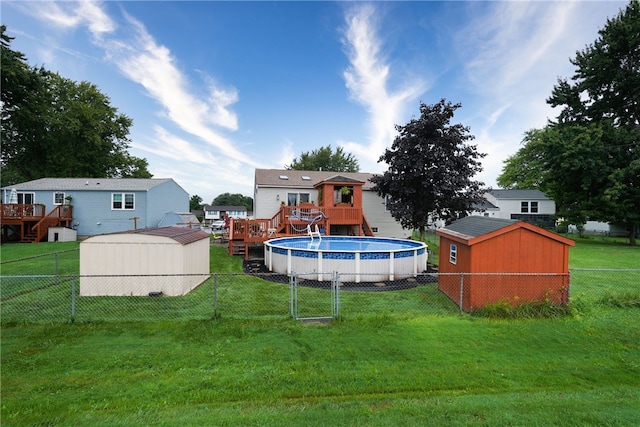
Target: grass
(440,368)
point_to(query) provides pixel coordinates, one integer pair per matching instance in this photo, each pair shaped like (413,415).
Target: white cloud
(367,79)
(75,14)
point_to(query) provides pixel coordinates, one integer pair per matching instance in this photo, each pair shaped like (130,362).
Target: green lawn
(432,369)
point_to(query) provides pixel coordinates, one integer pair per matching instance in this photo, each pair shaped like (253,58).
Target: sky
(217,89)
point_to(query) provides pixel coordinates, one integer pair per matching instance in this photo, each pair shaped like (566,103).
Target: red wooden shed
(474,249)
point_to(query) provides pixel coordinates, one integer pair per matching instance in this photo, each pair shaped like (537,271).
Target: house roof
(181,235)
(307,179)
(475,229)
(224,208)
(90,184)
(518,194)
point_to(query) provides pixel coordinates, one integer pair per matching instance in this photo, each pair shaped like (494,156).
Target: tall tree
(228,199)
(325,159)
(195,203)
(525,169)
(54,127)
(590,155)
(431,166)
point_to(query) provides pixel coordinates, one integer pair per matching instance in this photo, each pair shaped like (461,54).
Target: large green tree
(588,158)
(54,127)
(325,159)
(228,199)
(431,166)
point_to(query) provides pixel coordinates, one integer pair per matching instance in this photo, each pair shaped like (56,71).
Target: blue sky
(217,89)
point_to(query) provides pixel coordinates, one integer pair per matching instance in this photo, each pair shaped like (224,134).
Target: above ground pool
(356,259)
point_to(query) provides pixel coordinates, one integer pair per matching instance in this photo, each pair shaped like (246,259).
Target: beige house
(274,187)
(152,261)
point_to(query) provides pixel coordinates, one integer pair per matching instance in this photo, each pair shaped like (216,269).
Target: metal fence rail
(61,298)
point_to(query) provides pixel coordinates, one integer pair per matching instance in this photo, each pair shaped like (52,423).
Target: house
(99,205)
(526,205)
(150,261)
(217,213)
(533,263)
(277,187)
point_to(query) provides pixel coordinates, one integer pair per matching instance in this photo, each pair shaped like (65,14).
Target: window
(294,199)
(534,207)
(58,198)
(524,207)
(387,203)
(123,201)
(453,254)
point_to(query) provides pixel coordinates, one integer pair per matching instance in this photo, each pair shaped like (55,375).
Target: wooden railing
(21,212)
(54,218)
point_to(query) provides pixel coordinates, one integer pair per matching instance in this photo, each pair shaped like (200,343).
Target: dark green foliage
(588,159)
(55,127)
(228,199)
(195,203)
(431,166)
(325,159)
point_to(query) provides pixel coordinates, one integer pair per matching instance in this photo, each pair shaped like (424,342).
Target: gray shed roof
(90,184)
(518,194)
(181,235)
(474,226)
(306,179)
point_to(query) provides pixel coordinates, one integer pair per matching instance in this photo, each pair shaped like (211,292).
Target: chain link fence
(63,298)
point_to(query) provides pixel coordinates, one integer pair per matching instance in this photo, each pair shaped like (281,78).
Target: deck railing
(22,212)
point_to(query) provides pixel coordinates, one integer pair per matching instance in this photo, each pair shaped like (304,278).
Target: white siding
(117,255)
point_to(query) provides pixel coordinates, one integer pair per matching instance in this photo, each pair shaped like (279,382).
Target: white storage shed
(152,261)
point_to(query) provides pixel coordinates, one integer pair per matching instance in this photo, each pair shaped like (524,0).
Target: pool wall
(352,265)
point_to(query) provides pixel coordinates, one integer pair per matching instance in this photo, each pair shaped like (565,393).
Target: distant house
(216,213)
(532,206)
(277,187)
(478,247)
(105,205)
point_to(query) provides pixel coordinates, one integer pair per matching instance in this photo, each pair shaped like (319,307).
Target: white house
(531,206)
(274,187)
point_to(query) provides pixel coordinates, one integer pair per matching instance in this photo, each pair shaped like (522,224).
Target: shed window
(58,198)
(453,254)
(123,201)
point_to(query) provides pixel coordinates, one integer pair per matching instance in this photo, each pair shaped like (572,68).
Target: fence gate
(311,299)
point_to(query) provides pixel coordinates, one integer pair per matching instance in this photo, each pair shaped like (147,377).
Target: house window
(524,207)
(122,201)
(58,198)
(534,207)
(453,254)
(387,203)
(294,199)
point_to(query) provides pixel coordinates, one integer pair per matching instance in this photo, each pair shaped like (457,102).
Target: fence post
(461,290)
(335,294)
(215,296)
(73,298)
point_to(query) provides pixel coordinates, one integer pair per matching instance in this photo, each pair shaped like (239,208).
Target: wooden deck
(293,221)
(28,222)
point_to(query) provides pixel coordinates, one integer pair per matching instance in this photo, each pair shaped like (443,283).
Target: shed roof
(306,179)
(181,235)
(475,229)
(90,184)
